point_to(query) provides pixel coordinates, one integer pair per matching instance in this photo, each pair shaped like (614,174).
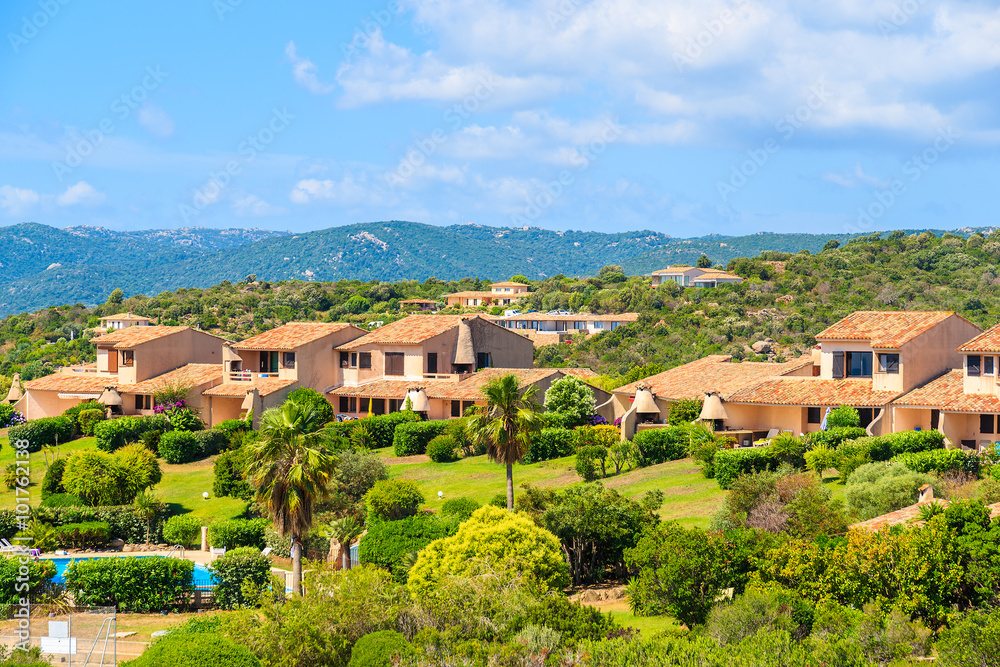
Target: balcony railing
(247,376)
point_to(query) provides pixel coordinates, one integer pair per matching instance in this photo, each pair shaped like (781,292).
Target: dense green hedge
(385,647)
(183,529)
(550,443)
(383,427)
(230,426)
(234,533)
(210,442)
(45,431)
(88,419)
(86,535)
(731,463)
(387,542)
(317,547)
(392,499)
(201,649)
(659,445)
(116,433)
(236,570)
(74,412)
(940,460)
(179,447)
(63,500)
(123,521)
(228,479)
(411,438)
(40,575)
(835,436)
(131,584)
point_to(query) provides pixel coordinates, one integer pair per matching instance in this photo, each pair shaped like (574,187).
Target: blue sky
(689,117)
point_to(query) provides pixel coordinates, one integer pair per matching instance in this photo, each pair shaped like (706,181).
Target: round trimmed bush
(234,533)
(391,499)
(234,571)
(379,648)
(87,419)
(461,508)
(195,650)
(411,438)
(442,449)
(52,482)
(183,529)
(178,447)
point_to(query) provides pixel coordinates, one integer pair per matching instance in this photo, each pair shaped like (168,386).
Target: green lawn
(181,486)
(688,497)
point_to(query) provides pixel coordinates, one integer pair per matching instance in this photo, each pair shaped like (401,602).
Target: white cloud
(304,72)
(81,194)
(254,206)
(157,121)
(16,201)
(349,191)
(854,178)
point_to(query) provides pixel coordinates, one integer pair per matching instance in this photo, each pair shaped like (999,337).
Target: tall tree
(506,423)
(291,465)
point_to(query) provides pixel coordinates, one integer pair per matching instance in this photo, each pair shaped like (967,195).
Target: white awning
(81,396)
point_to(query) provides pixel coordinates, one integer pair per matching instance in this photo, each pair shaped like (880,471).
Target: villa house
(549,328)
(963,403)
(418,304)
(259,372)
(123,321)
(132,363)
(690,276)
(502,294)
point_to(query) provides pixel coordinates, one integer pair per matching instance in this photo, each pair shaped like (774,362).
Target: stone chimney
(926,494)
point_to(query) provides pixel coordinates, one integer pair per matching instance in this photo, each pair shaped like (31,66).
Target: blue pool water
(203,577)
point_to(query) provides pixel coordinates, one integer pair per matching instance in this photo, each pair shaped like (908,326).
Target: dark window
(344,359)
(378,406)
(128,357)
(838,365)
(859,364)
(888,363)
(345,404)
(395,404)
(432,362)
(987,365)
(973,363)
(483,360)
(365,360)
(935,418)
(466,405)
(289,360)
(986,423)
(456,408)
(814,416)
(138,401)
(394,363)
(354,359)
(867,415)
(354,404)
(268,362)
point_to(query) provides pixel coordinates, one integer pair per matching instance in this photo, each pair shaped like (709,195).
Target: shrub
(604,435)
(91,534)
(684,411)
(47,431)
(228,476)
(590,461)
(461,508)
(39,578)
(236,571)
(731,463)
(412,437)
(311,397)
(659,445)
(124,521)
(843,416)
(756,611)
(114,434)
(142,470)
(88,420)
(202,649)
(234,533)
(387,542)
(572,620)
(100,478)
(132,584)
(972,641)
(385,647)
(179,447)
(74,412)
(9,416)
(572,397)
(357,471)
(835,436)
(550,443)
(63,500)
(877,488)
(151,441)
(556,420)
(210,442)
(383,427)
(389,500)
(457,429)
(184,419)
(183,529)
(940,461)
(231,426)
(317,547)
(442,449)
(13,476)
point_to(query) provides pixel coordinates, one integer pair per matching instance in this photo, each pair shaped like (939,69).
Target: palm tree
(147,506)
(344,531)
(506,423)
(291,466)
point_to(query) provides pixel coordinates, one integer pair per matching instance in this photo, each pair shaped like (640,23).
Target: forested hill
(45,266)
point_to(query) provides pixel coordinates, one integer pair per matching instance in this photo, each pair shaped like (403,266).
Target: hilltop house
(690,276)
(123,321)
(259,372)
(502,294)
(549,328)
(132,363)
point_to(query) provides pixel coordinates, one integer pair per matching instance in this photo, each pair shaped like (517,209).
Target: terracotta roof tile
(946,392)
(411,330)
(582,373)
(467,389)
(712,373)
(73,383)
(910,515)
(292,335)
(126,317)
(812,391)
(239,389)
(884,329)
(410,301)
(135,336)
(508,284)
(194,375)
(471,295)
(988,341)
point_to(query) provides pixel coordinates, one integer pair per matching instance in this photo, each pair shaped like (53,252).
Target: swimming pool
(203,577)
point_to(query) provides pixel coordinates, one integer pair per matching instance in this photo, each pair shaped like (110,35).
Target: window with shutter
(838,365)
(973,366)
(394,363)
(365,360)
(986,423)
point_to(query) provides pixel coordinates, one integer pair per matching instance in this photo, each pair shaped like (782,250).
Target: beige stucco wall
(829,347)
(165,354)
(38,404)
(933,352)
(981,384)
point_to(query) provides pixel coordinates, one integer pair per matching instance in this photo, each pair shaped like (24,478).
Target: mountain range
(45,266)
